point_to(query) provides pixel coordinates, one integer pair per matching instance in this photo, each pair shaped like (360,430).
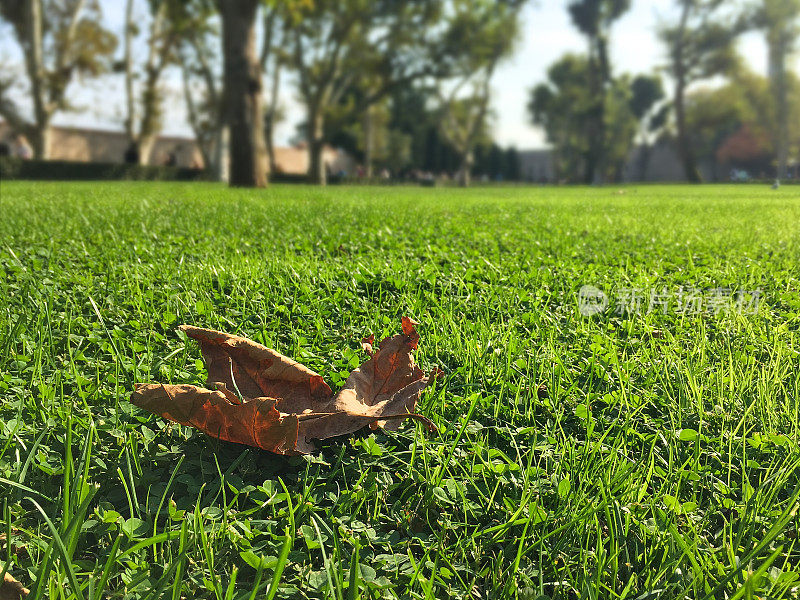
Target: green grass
(631,456)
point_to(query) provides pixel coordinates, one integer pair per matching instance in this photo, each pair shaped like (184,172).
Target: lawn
(647,451)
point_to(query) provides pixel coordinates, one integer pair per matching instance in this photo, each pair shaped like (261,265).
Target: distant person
(172,159)
(21,148)
(132,154)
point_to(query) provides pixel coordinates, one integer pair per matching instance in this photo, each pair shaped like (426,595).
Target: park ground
(646,451)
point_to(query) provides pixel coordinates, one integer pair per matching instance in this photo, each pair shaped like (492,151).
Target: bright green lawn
(661,460)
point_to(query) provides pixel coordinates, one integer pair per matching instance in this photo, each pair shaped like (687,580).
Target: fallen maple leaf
(264,399)
(11,589)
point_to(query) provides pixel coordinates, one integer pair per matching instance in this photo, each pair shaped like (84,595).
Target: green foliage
(646,92)
(780,19)
(497,164)
(745,100)
(567,109)
(701,45)
(594,17)
(637,456)
(88,52)
(61,40)
(479,35)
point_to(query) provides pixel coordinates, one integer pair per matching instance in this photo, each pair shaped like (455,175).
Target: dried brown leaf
(286,405)
(255,370)
(11,589)
(255,423)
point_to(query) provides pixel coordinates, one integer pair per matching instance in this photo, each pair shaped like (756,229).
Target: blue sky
(546,35)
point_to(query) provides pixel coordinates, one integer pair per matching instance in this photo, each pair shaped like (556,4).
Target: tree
(203,94)
(700,44)
(202,83)
(732,123)
(464,125)
(169,20)
(242,106)
(273,57)
(561,106)
(511,164)
(480,34)
(377,45)
(414,114)
(59,40)
(780,20)
(647,92)
(377,143)
(566,107)
(594,19)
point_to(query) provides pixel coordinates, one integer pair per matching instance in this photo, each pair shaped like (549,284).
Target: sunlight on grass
(650,455)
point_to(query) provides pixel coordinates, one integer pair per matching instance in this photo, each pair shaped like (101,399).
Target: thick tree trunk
(685,149)
(144,147)
(221,164)
(40,130)
(242,96)
(40,139)
(316,146)
(316,162)
(151,117)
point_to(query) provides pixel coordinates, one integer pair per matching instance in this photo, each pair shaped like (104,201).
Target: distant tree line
(351,62)
(406,86)
(594,117)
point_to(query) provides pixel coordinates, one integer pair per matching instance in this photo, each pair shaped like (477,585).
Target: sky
(547,34)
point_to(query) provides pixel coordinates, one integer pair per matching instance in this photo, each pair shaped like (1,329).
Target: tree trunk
(465,171)
(269,140)
(368,142)
(242,95)
(685,150)
(40,139)
(221,163)
(600,142)
(644,160)
(598,72)
(271,117)
(130,119)
(777,72)
(316,146)
(590,162)
(40,131)
(151,117)
(144,147)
